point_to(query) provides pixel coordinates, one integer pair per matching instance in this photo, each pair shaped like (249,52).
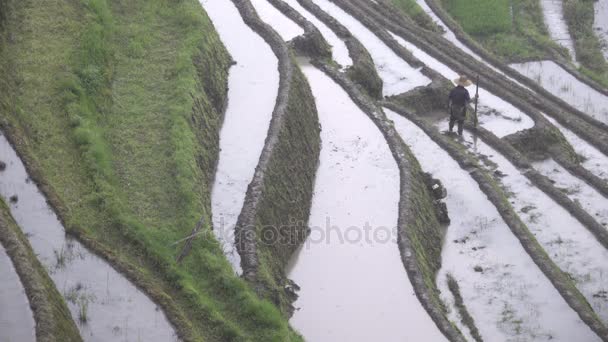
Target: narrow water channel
(509,298)
(339,50)
(571,246)
(495,114)
(353,284)
(564,85)
(16,318)
(553,14)
(106,306)
(398,76)
(253,87)
(286,28)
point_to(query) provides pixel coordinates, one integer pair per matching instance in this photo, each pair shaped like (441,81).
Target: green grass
(514,37)
(579,15)
(414,11)
(481,17)
(118,104)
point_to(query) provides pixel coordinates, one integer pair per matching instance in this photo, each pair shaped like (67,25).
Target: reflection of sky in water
(478,237)
(564,85)
(114,307)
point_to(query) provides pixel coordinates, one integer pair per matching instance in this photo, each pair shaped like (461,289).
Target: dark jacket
(458,100)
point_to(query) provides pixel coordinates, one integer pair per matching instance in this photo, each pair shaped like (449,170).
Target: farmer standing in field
(458,101)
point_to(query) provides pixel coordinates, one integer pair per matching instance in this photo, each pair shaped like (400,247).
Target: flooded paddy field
(16,320)
(351,278)
(508,297)
(340,268)
(105,304)
(562,84)
(252,90)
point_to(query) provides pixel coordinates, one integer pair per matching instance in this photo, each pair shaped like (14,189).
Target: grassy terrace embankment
(579,15)
(115,107)
(511,29)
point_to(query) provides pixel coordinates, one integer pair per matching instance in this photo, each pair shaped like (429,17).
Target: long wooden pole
(476,99)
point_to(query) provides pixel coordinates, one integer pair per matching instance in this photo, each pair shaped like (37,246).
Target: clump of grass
(414,11)
(511,29)
(579,15)
(482,17)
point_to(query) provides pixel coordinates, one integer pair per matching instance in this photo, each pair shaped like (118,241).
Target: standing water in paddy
(507,295)
(106,306)
(553,13)
(16,320)
(564,85)
(353,284)
(398,76)
(286,28)
(571,246)
(494,114)
(593,159)
(338,47)
(577,190)
(253,86)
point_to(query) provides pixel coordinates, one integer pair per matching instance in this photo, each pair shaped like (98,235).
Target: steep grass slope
(115,106)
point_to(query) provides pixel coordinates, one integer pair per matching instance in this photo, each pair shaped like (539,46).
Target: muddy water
(577,190)
(286,28)
(353,284)
(16,319)
(398,76)
(593,159)
(106,306)
(509,298)
(553,14)
(600,23)
(564,85)
(339,50)
(253,87)
(494,114)
(573,248)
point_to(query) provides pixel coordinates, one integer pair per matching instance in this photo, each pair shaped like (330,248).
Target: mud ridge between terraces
(312,43)
(496,195)
(363,71)
(542,182)
(568,160)
(410,208)
(54,322)
(438,47)
(274,197)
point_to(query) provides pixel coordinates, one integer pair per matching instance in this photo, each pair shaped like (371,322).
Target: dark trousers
(460,124)
(457,114)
